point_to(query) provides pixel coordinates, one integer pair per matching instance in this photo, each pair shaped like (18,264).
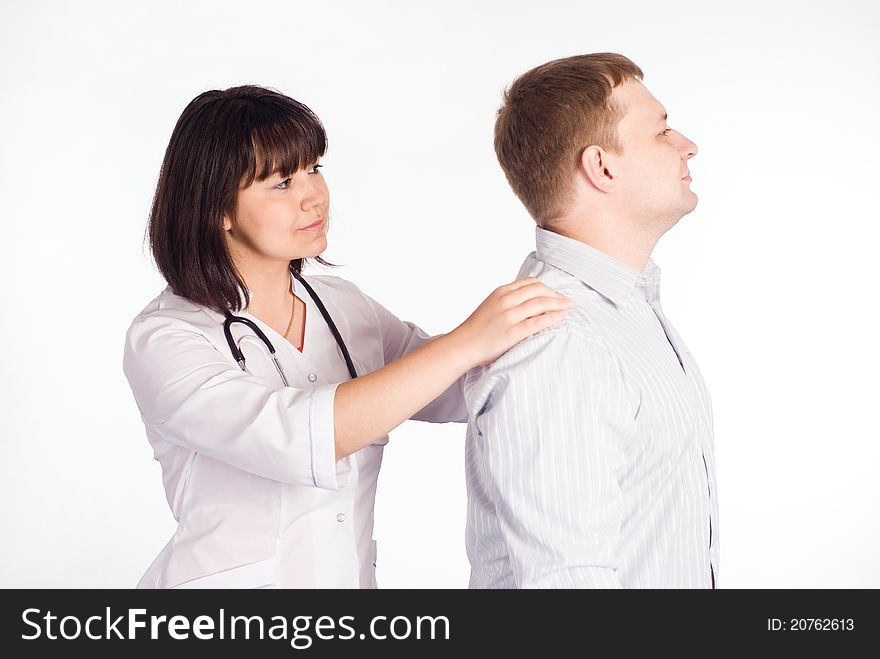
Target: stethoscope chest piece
(238,355)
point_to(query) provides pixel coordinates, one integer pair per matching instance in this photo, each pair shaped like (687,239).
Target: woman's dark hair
(224,140)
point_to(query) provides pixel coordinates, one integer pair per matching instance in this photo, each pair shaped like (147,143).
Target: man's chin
(682,210)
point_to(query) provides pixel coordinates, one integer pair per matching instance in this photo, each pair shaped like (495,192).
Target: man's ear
(594,165)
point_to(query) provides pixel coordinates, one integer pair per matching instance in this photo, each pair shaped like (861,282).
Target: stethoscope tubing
(333,329)
(238,355)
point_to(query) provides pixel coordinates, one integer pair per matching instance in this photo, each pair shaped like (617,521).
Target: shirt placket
(652,296)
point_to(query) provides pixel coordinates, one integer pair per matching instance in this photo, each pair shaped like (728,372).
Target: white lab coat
(249,465)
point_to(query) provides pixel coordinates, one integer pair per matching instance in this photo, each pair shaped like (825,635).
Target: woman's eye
(315,169)
(283,185)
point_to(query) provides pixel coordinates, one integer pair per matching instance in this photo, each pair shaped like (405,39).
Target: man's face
(651,170)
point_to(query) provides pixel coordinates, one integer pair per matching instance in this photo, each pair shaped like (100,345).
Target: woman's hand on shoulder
(510,314)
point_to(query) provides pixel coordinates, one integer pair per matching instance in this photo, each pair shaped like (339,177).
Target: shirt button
(340,517)
(312,377)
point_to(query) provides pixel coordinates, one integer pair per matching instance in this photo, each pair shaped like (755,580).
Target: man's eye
(283,185)
(315,169)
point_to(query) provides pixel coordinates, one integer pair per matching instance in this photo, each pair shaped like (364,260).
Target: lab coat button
(340,517)
(312,377)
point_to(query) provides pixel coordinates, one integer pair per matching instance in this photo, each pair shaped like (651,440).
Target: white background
(773,280)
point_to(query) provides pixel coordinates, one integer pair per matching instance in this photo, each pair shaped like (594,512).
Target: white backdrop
(772,280)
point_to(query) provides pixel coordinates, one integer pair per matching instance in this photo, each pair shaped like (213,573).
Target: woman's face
(281,218)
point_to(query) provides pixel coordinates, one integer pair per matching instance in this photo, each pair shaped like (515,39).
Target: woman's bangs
(285,147)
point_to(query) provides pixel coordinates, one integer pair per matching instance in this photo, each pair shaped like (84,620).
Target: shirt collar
(603,273)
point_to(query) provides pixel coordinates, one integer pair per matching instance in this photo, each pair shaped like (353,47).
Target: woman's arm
(371,406)
(192,396)
(400,338)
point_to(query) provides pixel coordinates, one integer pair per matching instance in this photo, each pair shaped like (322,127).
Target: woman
(270,461)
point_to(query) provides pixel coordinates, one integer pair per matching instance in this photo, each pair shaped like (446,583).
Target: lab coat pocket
(181,490)
(261,574)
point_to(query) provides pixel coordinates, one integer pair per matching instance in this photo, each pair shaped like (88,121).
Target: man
(590,449)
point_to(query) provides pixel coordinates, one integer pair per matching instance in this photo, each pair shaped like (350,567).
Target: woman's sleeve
(398,339)
(192,396)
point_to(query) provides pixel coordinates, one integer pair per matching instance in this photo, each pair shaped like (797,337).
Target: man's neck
(615,239)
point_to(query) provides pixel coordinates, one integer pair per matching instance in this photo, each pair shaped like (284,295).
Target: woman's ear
(594,165)
(227,223)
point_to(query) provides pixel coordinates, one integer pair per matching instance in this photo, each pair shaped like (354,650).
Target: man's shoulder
(583,329)
(538,354)
(552,276)
(589,311)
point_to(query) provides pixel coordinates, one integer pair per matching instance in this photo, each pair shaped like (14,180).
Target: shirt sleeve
(400,338)
(548,453)
(191,396)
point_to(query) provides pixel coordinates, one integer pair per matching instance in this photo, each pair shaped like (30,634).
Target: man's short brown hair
(547,118)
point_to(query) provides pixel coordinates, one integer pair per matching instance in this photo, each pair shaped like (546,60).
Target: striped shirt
(589,448)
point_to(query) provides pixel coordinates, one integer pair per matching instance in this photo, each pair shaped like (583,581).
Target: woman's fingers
(521,294)
(519,283)
(527,286)
(535,307)
(535,324)
(510,314)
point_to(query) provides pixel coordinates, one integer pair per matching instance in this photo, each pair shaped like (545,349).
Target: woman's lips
(315,226)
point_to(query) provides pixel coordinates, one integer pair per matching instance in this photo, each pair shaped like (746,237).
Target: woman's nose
(315,195)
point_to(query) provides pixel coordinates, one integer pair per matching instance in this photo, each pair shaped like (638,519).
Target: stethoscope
(239,356)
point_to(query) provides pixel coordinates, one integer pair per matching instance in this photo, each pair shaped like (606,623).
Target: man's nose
(688,148)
